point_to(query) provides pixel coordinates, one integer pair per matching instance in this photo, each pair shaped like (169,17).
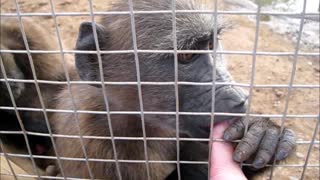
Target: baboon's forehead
(157,29)
(166,5)
(154,5)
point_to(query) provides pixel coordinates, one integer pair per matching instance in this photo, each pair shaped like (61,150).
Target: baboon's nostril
(241,103)
(240,97)
(244,100)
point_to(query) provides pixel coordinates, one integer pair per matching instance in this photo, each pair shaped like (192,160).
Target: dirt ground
(268,70)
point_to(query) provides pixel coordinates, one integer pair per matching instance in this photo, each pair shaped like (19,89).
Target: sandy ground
(268,70)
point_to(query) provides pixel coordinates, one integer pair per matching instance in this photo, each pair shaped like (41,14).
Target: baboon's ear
(86,63)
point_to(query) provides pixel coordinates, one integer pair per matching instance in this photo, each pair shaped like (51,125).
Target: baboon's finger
(286,144)
(234,131)
(250,143)
(267,147)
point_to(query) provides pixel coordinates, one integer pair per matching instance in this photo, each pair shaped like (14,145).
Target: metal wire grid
(176,83)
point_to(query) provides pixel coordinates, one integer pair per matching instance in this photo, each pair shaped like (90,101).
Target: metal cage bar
(163,12)
(307,116)
(226,52)
(315,133)
(104,92)
(18,117)
(136,59)
(213,89)
(176,86)
(294,65)
(13,173)
(291,86)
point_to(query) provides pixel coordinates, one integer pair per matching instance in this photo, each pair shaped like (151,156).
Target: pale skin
(223,167)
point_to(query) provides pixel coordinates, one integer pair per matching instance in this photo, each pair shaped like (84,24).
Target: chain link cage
(280,73)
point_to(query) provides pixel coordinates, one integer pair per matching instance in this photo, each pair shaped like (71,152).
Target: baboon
(153,31)
(17,66)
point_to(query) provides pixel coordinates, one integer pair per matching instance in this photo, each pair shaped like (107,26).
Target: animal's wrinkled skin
(262,141)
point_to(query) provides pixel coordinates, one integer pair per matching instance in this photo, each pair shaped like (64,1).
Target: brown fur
(47,66)
(91,98)
(17,66)
(114,33)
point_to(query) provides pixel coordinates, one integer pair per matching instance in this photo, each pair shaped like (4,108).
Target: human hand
(223,167)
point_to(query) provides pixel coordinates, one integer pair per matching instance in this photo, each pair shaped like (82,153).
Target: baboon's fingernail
(227,137)
(259,163)
(281,155)
(237,156)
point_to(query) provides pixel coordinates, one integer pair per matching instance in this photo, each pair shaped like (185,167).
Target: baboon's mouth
(231,120)
(40,149)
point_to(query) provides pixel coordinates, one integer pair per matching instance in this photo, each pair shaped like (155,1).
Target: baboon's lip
(234,119)
(231,120)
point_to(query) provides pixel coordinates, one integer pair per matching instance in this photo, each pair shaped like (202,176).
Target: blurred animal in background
(17,66)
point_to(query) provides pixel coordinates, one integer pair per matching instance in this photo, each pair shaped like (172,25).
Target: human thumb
(222,165)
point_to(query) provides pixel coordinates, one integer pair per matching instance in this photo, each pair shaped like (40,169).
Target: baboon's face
(155,32)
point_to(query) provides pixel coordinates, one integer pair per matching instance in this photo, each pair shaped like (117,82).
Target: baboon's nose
(242,102)
(238,99)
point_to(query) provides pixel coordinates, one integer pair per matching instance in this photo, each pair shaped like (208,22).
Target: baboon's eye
(211,45)
(185,58)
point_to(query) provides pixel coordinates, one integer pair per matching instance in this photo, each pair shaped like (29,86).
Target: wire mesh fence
(257,67)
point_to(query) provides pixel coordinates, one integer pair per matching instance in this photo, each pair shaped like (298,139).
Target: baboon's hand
(262,141)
